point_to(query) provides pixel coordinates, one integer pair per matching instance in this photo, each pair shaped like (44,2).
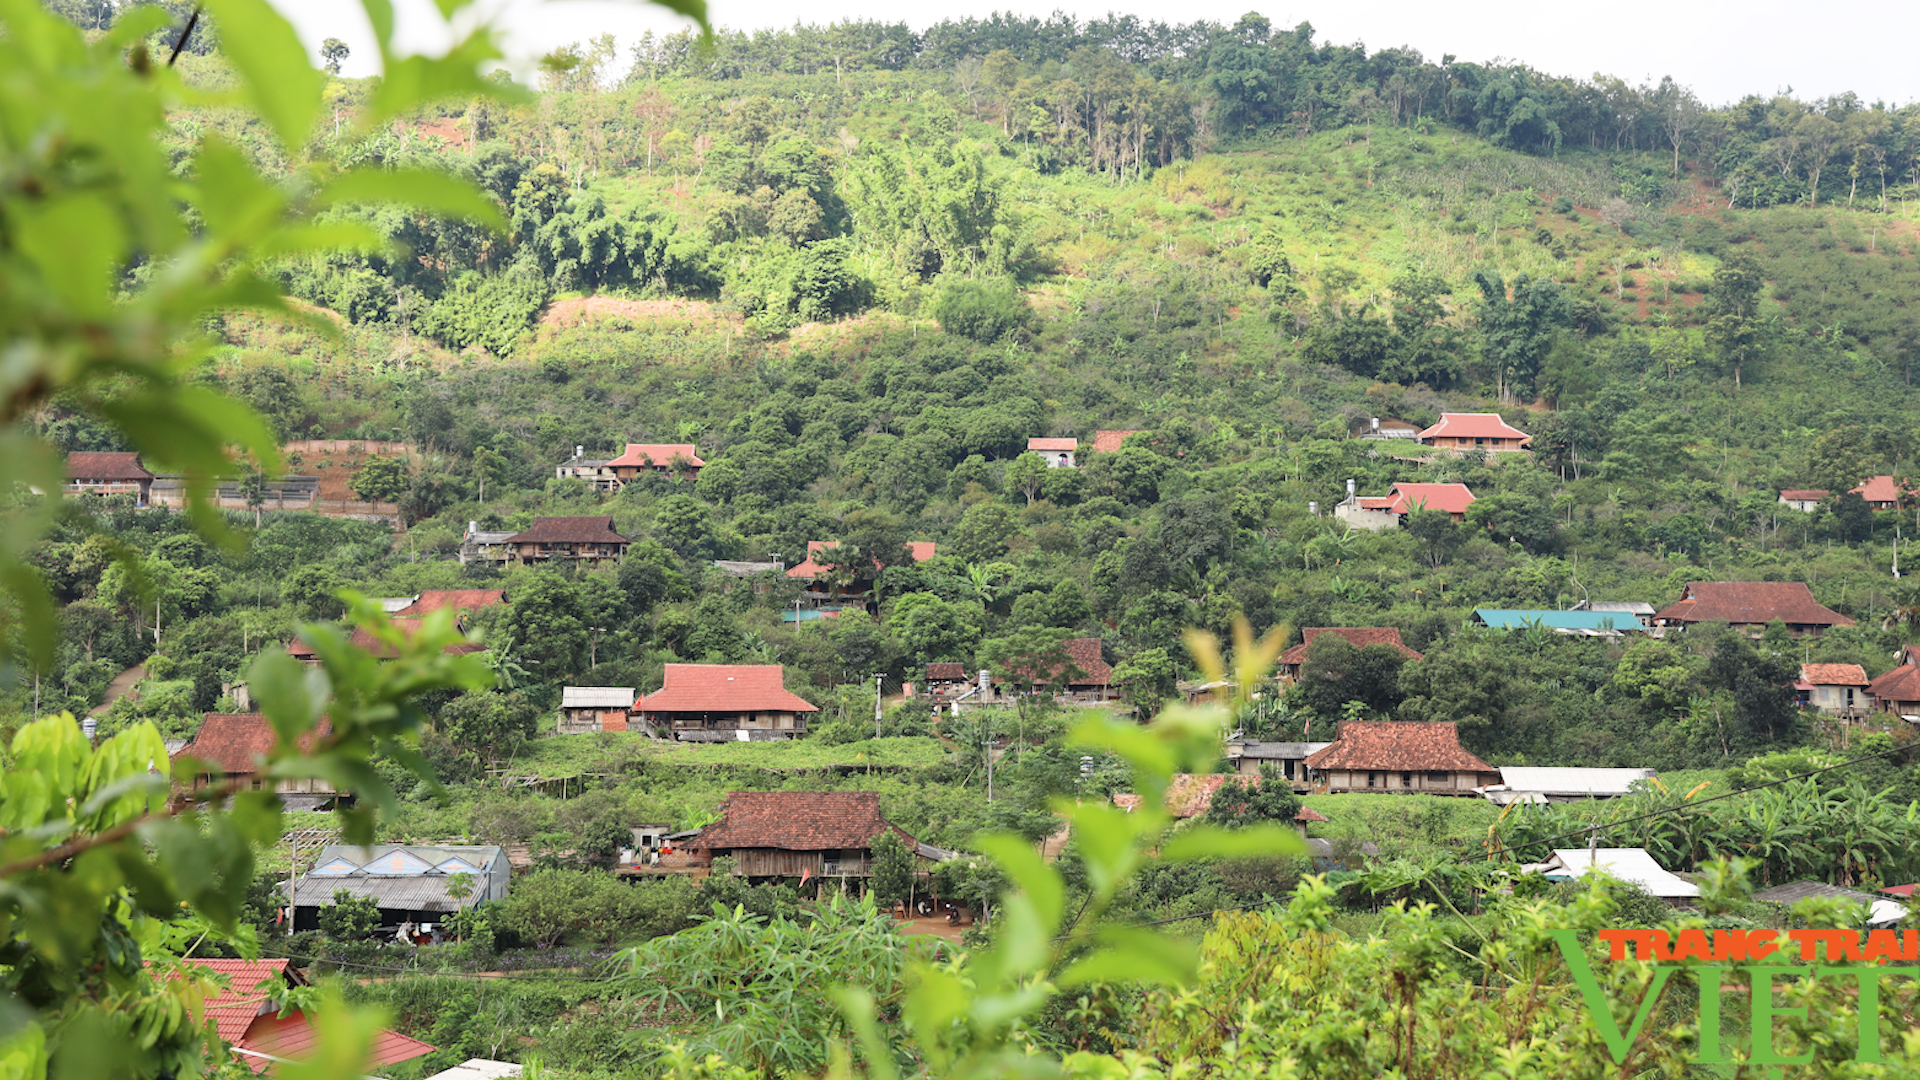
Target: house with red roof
(1086,679)
(567,539)
(1879,492)
(677,460)
(800,834)
(247,1018)
(462,601)
(1110,441)
(724,703)
(234,746)
(1835,689)
(1375,514)
(1400,757)
(814,567)
(1474,431)
(100,472)
(1749,606)
(1359,637)
(1058,453)
(1898,691)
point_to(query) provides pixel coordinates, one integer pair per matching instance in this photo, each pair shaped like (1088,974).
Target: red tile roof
(1358,636)
(648,454)
(1473,425)
(1085,654)
(105,465)
(1879,489)
(1106,442)
(797,821)
(1834,674)
(1038,443)
(244,1018)
(364,639)
(946,672)
(1751,602)
(1804,494)
(1447,498)
(569,530)
(458,599)
(238,742)
(1412,746)
(293,1036)
(920,550)
(1900,684)
(723,688)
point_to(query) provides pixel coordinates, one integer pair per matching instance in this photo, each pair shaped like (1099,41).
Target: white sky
(1720,48)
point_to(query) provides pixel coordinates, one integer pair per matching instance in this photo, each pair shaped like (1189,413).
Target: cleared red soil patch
(446,130)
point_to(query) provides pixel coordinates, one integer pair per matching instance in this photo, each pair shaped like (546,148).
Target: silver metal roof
(411,893)
(597,697)
(1602,783)
(1277,751)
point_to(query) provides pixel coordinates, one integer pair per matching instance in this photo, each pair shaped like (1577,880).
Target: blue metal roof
(1520,619)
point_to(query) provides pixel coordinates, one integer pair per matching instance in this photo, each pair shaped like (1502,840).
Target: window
(1371,778)
(1406,779)
(1437,776)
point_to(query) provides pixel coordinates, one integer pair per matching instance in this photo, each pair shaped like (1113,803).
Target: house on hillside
(1389,428)
(1631,865)
(1879,492)
(1604,624)
(1249,756)
(414,883)
(1058,453)
(802,834)
(248,1017)
(677,460)
(234,746)
(1474,431)
(585,709)
(1401,757)
(1357,636)
(1388,511)
(484,546)
(461,602)
(567,539)
(1805,500)
(1091,683)
(1641,611)
(1898,691)
(1878,911)
(1545,785)
(1110,441)
(1749,606)
(724,703)
(1834,689)
(100,472)
(593,471)
(946,682)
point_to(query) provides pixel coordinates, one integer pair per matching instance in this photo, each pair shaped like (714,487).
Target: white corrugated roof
(479,1069)
(597,697)
(1570,781)
(1628,864)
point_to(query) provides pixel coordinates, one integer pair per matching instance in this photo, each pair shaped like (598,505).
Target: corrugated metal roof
(1278,751)
(1628,864)
(1581,622)
(597,697)
(1571,781)
(410,893)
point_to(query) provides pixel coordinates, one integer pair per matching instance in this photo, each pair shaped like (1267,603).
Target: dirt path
(1052,846)
(122,686)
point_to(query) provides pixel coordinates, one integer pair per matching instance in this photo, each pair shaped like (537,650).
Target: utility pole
(877,713)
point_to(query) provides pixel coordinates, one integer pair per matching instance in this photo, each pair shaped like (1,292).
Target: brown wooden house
(724,703)
(1400,757)
(567,539)
(1750,605)
(93,472)
(1474,431)
(1898,691)
(1359,637)
(798,834)
(235,746)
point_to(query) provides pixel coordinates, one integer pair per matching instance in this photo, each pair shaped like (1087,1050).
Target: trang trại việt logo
(1711,955)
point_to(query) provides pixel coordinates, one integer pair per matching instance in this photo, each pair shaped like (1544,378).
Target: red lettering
(1809,942)
(1691,945)
(1882,946)
(1617,940)
(1909,945)
(1762,943)
(1659,944)
(1729,945)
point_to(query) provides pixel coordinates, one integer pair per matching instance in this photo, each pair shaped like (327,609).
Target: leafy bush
(985,311)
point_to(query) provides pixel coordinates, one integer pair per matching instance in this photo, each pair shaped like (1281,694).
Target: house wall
(1449,442)
(1365,520)
(1835,699)
(725,727)
(1397,781)
(773,862)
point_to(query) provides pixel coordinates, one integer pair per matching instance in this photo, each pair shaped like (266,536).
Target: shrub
(981,310)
